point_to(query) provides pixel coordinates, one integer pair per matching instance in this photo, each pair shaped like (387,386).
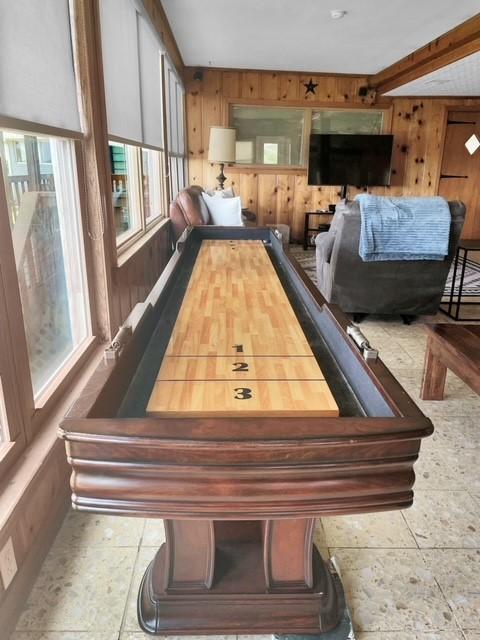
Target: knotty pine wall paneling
(283,195)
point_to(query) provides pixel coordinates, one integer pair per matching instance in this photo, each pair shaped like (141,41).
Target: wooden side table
(455,347)
(308,230)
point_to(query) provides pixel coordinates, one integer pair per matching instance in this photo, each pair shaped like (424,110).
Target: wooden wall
(134,279)
(282,197)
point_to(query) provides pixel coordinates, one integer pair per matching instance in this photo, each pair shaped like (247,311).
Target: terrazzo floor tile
(132,635)
(456,433)
(444,519)
(145,556)
(457,571)
(62,635)
(319,536)
(80,590)
(437,468)
(154,533)
(408,635)
(467,468)
(392,590)
(370,530)
(397,358)
(81,529)
(449,407)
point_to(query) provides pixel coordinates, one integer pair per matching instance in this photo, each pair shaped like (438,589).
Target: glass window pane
(123,174)
(173,176)
(269,135)
(347,121)
(181,173)
(45,222)
(151,184)
(172,112)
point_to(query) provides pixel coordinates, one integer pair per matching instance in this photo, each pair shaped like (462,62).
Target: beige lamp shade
(222,144)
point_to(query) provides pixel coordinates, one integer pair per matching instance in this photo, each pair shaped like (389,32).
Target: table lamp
(221,149)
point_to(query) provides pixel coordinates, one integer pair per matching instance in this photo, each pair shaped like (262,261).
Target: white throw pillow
(204,212)
(221,193)
(226,212)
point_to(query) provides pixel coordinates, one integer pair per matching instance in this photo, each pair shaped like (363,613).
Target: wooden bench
(455,347)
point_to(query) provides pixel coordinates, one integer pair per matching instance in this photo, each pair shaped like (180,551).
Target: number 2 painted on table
(243,393)
(240,366)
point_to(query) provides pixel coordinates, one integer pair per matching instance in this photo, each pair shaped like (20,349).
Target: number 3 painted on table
(242,393)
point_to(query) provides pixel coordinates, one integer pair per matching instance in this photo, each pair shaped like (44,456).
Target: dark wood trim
(383,104)
(157,15)
(100,228)
(14,318)
(460,42)
(190,69)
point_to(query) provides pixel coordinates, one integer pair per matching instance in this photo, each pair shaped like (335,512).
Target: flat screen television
(349,159)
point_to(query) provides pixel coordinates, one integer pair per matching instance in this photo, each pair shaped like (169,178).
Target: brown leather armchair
(189,209)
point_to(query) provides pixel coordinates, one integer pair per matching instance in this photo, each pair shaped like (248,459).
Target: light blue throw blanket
(403,228)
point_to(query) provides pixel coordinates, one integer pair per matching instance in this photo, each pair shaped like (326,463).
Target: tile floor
(412,575)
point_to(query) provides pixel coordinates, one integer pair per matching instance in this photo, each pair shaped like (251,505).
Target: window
(45,223)
(126,207)
(364,121)
(270,153)
(152,184)
(134,104)
(269,135)
(277,135)
(138,194)
(176,129)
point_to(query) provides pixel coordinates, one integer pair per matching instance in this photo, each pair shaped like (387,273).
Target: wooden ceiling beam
(450,47)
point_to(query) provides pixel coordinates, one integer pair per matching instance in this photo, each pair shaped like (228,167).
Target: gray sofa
(408,288)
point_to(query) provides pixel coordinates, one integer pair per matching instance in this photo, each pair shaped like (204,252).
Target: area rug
(471,282)
(306,260)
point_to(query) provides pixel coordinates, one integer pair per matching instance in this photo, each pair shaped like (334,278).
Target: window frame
(308,112)
(128,242)
(25,412)
(171,156)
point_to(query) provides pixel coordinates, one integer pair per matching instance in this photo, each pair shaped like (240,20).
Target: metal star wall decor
(310,87)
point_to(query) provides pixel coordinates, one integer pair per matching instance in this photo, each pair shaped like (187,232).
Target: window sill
(129,252)
(267,168)
(50,396)
(23,471)
(9,454)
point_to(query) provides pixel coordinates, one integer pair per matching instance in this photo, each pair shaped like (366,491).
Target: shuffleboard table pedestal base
(214,577)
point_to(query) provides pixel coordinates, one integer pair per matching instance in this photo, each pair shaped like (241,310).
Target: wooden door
(460,174)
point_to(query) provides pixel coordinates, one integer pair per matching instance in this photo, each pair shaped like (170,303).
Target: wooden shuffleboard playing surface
(237,347)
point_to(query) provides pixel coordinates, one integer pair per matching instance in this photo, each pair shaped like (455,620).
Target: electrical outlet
(8,564)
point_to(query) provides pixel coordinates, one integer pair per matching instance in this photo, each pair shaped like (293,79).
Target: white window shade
(175,111)
(37,78)
(118,19)
(180,118)
(150,83)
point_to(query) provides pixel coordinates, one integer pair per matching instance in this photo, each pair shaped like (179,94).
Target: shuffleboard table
(237,405)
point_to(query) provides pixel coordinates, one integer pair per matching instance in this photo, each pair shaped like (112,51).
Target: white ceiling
(461,78)
(299,35)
